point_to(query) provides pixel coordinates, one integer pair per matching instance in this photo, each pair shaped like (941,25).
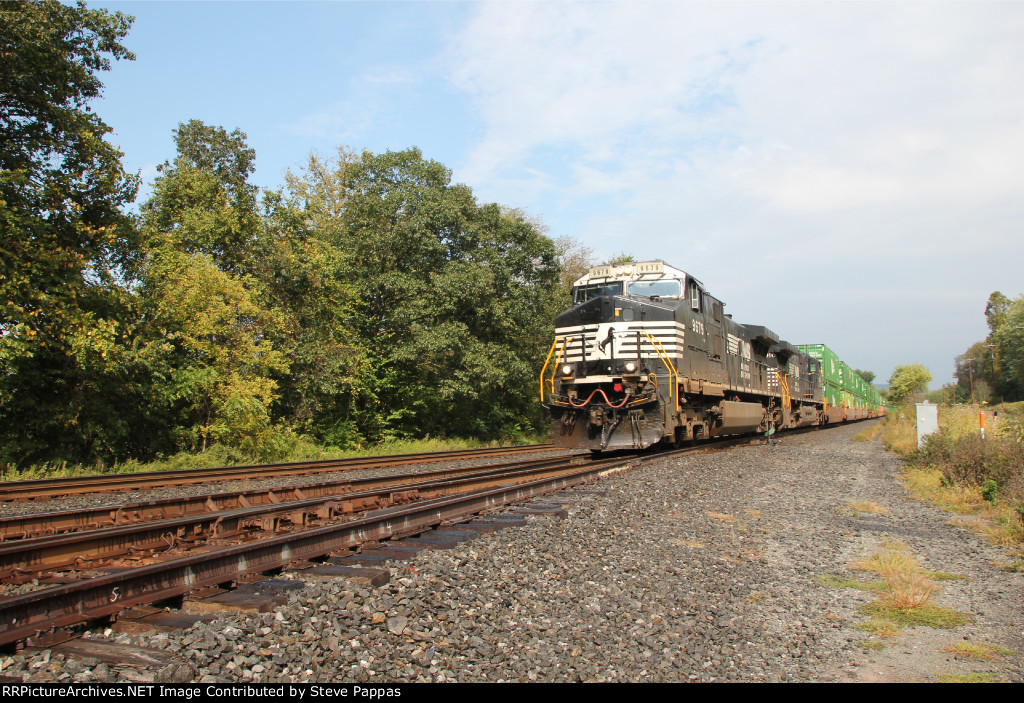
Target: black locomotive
(646,355)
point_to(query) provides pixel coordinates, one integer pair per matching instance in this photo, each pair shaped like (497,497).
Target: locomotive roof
(634,271)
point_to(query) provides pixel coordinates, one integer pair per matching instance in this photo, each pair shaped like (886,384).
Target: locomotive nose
(598,309)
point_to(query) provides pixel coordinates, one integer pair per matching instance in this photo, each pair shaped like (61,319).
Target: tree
(203,202)
(996,310)
(868,376)
(206,306)
(66,248)
(908,383)
(575,260)
(974,371)
(306,277)
(219,359)
(452,299)
(1008,345)
(949,394)
(994,368)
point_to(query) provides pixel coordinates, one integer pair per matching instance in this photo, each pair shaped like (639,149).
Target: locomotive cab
(611,356)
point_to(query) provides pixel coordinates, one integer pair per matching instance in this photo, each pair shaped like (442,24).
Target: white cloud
(766,143)
(810,107)
(368,98)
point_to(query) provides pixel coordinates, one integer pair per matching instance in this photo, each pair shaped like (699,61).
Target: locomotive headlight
(630,367)
(567,370)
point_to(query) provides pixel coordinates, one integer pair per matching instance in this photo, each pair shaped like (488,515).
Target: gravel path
(696,569)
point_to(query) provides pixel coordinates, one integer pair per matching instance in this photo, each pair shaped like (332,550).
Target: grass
(869,434)
(973,677)
(905,591)
(958,471)
(1014,567)
(981,651)
(219,455)
(833,581)
(907,586)
(918,616)
(868,507)
(898,434)
(881,628)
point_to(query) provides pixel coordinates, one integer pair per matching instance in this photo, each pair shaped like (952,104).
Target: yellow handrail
(545,368)
(673,388)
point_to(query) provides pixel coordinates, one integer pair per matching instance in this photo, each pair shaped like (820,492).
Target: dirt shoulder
(979,585)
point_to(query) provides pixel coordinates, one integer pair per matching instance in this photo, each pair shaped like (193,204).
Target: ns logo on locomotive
(646,355)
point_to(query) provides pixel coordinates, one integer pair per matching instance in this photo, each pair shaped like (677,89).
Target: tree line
(992,370)
(370,297)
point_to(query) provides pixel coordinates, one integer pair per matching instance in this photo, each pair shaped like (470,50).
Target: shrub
(964,458)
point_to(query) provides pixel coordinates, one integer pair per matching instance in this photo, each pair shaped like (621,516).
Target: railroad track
(276,497)
(40,489)
(239,543)
(131,534)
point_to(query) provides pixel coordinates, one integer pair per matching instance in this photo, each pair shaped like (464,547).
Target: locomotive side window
(585,293)
(662,289)
(693,292)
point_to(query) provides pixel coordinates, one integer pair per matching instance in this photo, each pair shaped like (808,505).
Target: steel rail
(38,612)
(48,488)
(113,515)
(76,550)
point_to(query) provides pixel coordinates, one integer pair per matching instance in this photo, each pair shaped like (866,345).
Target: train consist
(646,355)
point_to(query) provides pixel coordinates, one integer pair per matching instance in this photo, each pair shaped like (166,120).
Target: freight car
(646,355)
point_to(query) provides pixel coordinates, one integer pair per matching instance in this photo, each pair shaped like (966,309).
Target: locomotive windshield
(670,288)
(584,293)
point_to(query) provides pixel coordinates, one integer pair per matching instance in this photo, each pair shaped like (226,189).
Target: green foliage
(621,258)
(217,354)
(575,261)
(1008,339)
(949,394)
(907,383)
(66,249)
(450,299)
(994,369)
(372,299)
(202,202)
(989,488)
(868,376)
(924,616)
(967,459)
(219,336)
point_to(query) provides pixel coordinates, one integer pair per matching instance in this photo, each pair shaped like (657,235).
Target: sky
(846,173)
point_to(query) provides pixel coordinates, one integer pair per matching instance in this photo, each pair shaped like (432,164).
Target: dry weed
(868,507)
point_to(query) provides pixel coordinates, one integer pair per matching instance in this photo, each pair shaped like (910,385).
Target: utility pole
(970,365)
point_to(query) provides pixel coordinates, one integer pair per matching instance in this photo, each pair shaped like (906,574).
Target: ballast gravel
(702,568)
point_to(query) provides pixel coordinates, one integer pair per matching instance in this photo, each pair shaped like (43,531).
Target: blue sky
(841,172)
